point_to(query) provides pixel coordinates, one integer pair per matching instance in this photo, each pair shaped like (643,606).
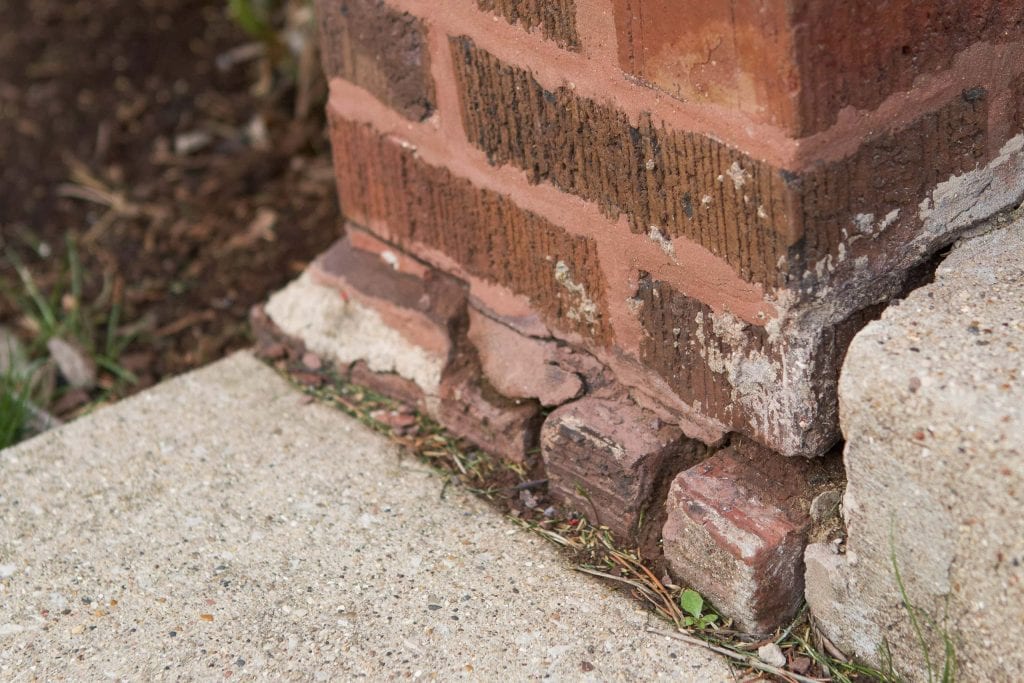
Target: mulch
(154,135)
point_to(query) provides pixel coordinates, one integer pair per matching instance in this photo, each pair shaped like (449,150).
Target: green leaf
(692,603)
(707,620)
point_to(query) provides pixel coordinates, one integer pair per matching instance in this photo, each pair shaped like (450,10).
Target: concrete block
(932,407)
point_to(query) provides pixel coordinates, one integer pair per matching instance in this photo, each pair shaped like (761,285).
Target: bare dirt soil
(152,134)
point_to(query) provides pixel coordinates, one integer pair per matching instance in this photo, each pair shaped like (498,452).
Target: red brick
(354,35)
(890,172)
(522,367)
(427,307)
(857,53)
(799,64)
(773,226)
(687,185)
(385,186)
(556,19)
(737,54)
(736,531)
(605,459)
(472,409)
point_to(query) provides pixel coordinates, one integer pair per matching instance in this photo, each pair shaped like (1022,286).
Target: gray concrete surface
(218,527)
(932,407)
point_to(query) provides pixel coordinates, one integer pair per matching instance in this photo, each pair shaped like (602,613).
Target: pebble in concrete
(217,526)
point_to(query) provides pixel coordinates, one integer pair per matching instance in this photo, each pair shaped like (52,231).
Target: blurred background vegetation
(165,169)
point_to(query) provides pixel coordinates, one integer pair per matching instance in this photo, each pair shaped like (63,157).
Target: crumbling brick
(522,367)
(471,408)
(605,458)
(426,306)
(737,527)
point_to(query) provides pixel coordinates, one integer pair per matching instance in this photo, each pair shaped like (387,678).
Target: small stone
(312,361)
(527,499)
(309,379)
(772,654)
(78,629)
(825,504)
(76,366)
(801,665)
(7,570)
(191,142)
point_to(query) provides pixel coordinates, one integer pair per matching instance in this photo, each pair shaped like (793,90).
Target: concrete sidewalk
(216,527)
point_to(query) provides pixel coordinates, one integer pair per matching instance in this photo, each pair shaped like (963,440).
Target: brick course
(685,185)
(384,186)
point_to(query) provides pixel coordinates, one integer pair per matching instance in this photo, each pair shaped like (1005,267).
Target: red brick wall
(700,194)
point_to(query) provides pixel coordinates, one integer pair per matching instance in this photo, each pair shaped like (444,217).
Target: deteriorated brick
(380,49)
(556,19)
(698,353)
(879,189)
(605,458)
(428,308)
(737,527)
(471,408)
(385,186)
(682,183)
(778,389)
(519,366)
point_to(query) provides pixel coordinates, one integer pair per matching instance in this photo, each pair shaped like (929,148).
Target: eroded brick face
(683,184)
(555,19)
(702,354)
(378,48)
(386,187)
(879,188)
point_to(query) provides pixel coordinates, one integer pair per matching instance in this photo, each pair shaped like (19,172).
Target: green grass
(94,326)
(915,614)
(14,408)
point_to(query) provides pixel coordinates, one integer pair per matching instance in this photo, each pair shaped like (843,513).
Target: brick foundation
(683,209)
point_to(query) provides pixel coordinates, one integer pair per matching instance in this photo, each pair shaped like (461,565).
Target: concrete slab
(216,527)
